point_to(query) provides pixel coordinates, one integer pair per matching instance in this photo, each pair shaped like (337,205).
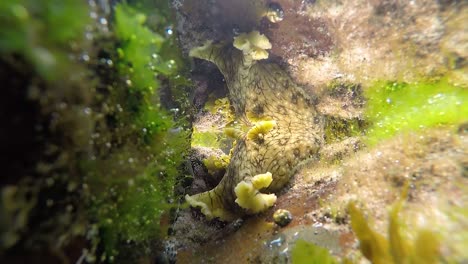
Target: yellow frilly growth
(249,197)
(253,45)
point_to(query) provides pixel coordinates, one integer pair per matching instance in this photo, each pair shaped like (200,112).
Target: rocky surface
(321,43)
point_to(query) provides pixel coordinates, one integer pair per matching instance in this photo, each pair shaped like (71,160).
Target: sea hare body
(285,129)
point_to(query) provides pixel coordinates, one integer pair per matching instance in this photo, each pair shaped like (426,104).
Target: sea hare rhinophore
(285,128)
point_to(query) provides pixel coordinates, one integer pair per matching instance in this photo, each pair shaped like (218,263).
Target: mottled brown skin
(263,91)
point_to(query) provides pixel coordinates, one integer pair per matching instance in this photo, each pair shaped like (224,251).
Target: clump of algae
(214,136)
(395,247)
(396,107)
(140,192)
(219,135)
(425,247)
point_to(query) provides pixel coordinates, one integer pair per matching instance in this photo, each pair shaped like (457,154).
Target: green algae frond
(139,181)
(215,136)
(41,205)
(396,248)
(140,48)
(210,139)
(373,245)
(395,107)
(308,253)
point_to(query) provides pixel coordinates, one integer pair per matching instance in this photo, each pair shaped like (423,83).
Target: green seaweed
(138,189)
(396,247)
(215,137)
(221,106)
(396,107)
(373,245)
(139,51)
(210,139)
(308,253)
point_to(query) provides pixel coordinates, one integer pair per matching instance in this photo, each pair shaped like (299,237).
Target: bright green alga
(304,252)
(134,185)
(402,107)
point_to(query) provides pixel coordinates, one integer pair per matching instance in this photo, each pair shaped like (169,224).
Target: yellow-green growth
(394,108)
(425,248)
(221,106)
(205,139)
(373,245)
(214,164)
(308,253)
(258,131)
(132,197)
(249,197)
(459,214)
(215,137)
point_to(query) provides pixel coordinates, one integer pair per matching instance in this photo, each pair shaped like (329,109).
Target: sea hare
(286,129)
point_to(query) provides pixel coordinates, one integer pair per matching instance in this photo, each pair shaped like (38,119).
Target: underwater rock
(285,128)
(338,50)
